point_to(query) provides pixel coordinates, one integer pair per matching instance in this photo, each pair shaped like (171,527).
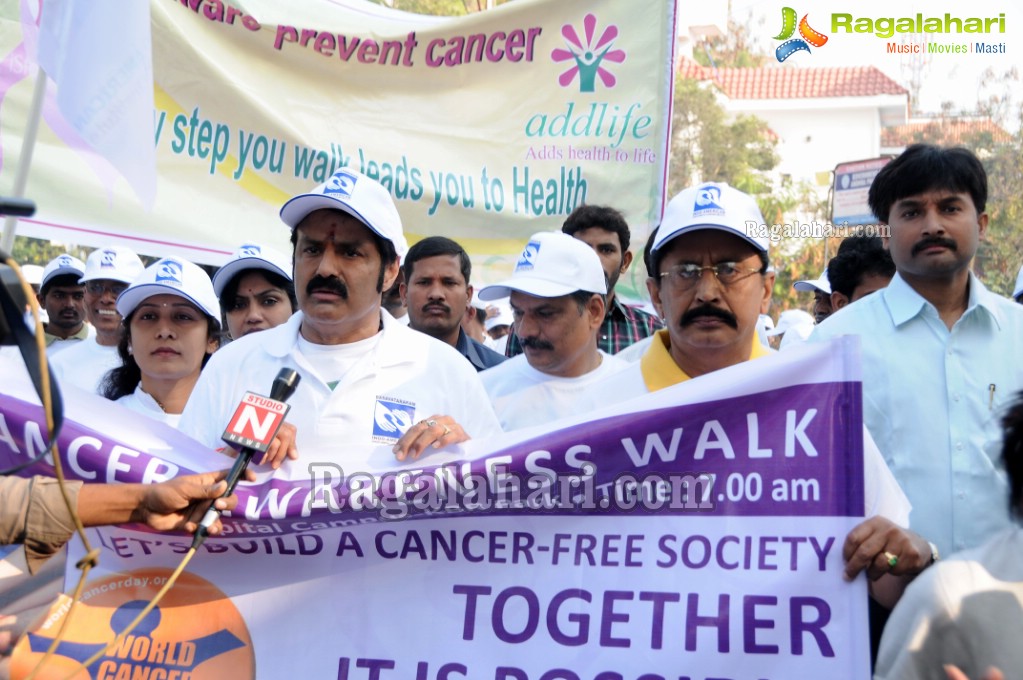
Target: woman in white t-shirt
(171,319)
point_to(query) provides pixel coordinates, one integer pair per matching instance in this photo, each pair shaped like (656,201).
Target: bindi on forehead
(165,305)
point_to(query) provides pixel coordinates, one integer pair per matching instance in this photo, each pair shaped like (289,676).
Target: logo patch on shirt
(391,417)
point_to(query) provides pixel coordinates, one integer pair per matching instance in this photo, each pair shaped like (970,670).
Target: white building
(821,116)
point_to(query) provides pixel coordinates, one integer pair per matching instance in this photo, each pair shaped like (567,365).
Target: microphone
(251,430)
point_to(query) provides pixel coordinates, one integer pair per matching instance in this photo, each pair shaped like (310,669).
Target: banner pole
(28,144)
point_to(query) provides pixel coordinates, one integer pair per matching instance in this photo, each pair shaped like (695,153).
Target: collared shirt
(933,398)
(967,611)
(478,354)
(55,343)
(142,402)
(406,377)
(623,325)
(659,369)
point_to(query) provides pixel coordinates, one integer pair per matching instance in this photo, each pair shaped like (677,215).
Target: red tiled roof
(794,83)
(947,132)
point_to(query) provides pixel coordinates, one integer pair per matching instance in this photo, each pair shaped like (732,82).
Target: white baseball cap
(551,265)
(171,276)
(60,266)
(713,205)
(33,274)
(358,195)
(251,256)
(115,263)
(498,314)
(1016,293)
(809,285)
(795,320)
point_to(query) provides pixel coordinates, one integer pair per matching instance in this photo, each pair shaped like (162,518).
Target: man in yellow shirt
(710,281)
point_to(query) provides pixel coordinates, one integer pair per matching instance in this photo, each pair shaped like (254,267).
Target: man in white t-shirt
(365,378)
(557,298)
(108,271)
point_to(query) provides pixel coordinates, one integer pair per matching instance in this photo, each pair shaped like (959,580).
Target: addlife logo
(589,55)
(788,27)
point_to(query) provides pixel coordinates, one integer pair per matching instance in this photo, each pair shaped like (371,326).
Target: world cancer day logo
(788,27)
(589,56)
(195,632)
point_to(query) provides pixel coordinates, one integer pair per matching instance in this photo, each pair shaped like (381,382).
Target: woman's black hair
(123,380)
(230,291)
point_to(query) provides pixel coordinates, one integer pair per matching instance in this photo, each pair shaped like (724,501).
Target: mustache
(329,284)
(436,305)
(535,343)
(934,241)
(707,310)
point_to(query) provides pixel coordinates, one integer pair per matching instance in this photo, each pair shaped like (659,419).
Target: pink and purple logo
(588,56)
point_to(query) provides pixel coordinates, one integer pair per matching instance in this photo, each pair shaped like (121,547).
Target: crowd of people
(394,347)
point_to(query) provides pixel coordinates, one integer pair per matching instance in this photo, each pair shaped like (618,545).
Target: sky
(946,77)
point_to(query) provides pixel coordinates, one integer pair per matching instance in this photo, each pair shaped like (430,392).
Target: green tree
(737,48)
(1001,253)
(994,132)
(708,147)
(38,251)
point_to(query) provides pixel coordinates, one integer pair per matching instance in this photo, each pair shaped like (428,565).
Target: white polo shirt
(406,377)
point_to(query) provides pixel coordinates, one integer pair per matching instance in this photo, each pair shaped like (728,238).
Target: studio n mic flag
(694,532)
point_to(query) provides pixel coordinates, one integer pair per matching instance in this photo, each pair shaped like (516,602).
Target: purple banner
(780,452)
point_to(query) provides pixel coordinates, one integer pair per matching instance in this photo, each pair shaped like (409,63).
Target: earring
(129,350)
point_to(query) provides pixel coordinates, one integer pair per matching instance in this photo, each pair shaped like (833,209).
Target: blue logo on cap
(708,202)
(527,257)
(391,417)
(249,250)
(341,184)
(168,271)
(64,261)
(106,258)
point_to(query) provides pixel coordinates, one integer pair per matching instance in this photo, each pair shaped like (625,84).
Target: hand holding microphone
(251,430)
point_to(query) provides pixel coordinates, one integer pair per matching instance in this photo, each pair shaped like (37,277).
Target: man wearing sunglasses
(108,271)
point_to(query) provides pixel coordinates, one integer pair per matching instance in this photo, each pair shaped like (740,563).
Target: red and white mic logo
(255,422)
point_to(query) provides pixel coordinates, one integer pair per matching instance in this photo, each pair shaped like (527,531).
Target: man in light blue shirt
(941,353)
